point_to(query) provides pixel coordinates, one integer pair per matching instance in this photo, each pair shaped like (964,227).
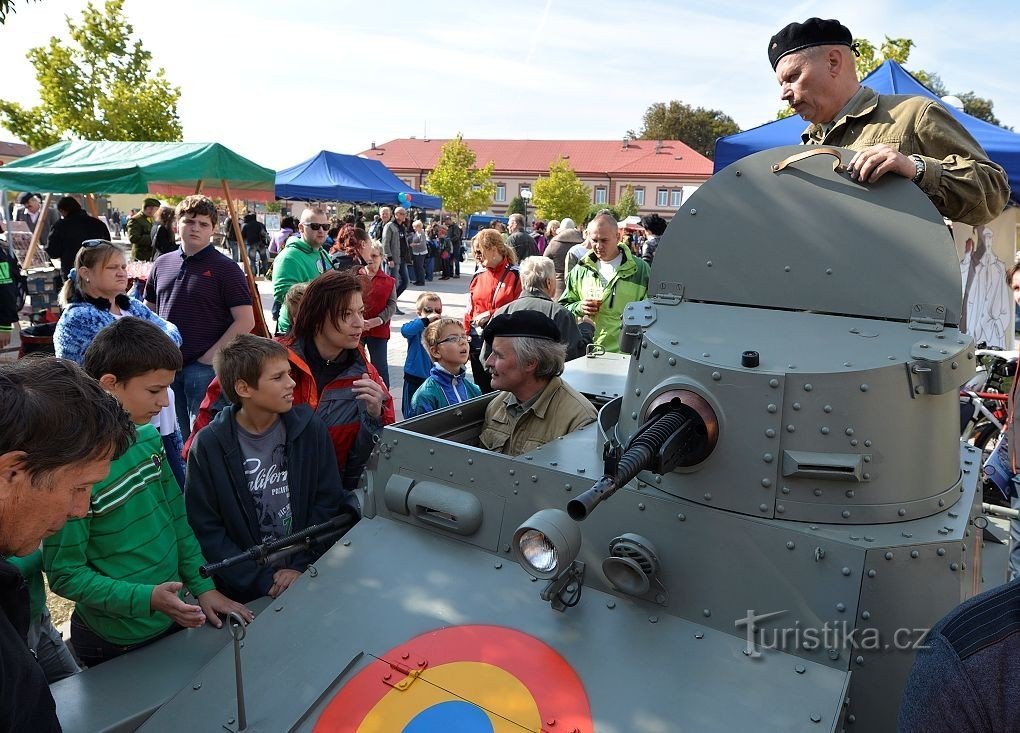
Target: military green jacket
(959,179)
(139,231)
(628,284)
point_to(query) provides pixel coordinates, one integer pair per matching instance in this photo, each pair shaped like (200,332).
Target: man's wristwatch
(919,168)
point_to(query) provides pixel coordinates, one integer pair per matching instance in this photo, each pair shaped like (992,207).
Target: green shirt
(135,536)
(297,263)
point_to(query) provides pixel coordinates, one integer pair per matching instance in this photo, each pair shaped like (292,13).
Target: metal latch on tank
(928,317)
(403,676)
(933,369)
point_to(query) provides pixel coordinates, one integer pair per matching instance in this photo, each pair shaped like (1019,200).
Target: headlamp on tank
(546,546)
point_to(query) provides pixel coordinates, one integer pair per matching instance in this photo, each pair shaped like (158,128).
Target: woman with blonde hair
(495,285)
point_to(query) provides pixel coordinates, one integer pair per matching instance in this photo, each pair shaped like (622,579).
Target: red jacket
(377,301)
(350,429)
(491,288)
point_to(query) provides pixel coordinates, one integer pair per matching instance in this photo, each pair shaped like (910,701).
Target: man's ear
(10,464)
(242,388)
(108,381)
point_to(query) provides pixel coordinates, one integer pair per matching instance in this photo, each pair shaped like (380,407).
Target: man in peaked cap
(139,231)
(535,406)
(911,136)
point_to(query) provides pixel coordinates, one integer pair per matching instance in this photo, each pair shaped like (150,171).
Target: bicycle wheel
(986,435)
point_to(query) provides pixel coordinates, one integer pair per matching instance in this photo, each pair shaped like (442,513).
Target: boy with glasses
(447,383)
(302,260)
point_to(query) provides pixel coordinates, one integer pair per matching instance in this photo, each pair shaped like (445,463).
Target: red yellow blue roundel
(462,679)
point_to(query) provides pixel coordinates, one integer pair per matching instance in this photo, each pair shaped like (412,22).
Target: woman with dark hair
(352,249)
(93,297)
(331,371)
(164,231)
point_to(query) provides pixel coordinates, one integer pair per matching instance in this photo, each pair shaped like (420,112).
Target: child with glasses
(418,363)
(447,384)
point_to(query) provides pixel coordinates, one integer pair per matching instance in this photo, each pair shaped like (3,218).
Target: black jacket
(253,231)
(68,234)
(220,507)
(13,286)
(163,239)
(25,700)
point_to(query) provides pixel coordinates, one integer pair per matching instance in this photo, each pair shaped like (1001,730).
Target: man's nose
(80,504)
(786,93)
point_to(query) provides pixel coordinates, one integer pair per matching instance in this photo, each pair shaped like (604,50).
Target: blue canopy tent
(1002,146)
(330,176)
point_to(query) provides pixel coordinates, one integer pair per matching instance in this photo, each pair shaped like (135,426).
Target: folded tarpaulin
(330,176)
(138,167)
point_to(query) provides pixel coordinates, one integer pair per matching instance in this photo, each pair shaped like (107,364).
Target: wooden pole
(261,327)
(90,204)
(42,221)
(198,186)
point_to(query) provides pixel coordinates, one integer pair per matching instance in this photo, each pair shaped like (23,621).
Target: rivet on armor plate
(872,573)
(849,431)
(641,507)
(633,416)
(771,408)
(800,669)
(866,476)
(851,718)
(892,358)
(699,635)
(432,451)
(515,490)
(568,487)
(770,433)
(825,430)
(706,613)
(817,492)
(954,567)
(766,483)
(705,355)
(682,517)
(854,442)
(658,479)
(786,268)
(908,535)
(768,458)
(513,472)
(943,531)
(430,468)
(846,514)
(795,405)
(716,376)
(534,479)
(708,264)
(914,554)
(694,212)
(954,515)
(941,551)
(610,605)
(864,388)
(780,508)
(942,502)
(845,571)
(859,660)
(847,364)
(790,545)
(672,361)
(637,392)
(924,346)
(498,566)
(828,270)
(888,556)
(791,366)
(867,443)
(773,383)
(653,619)
(808,387)
(865,615)
(655,353)
(708,496)
(955,365)
(790,428)
(850,494)
(970,355)
(641,368)
(841,607)
(674,342)
(763,507)
(834,654)
(827,409)
(855,537)
(786,489)
(943,351)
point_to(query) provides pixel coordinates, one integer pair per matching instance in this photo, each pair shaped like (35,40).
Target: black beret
(522,323)
(812,32)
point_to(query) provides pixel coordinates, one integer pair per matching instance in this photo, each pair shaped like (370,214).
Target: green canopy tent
(173,169)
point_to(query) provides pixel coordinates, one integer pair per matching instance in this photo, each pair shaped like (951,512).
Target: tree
(6,6)
(96,84)
(627,205)
(698,127)
(462,186)
(516,206)
(560,194)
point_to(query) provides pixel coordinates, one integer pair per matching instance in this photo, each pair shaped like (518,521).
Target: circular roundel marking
(462,679)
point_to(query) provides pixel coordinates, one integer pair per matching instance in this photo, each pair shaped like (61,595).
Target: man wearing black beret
(535,405)
(911,136)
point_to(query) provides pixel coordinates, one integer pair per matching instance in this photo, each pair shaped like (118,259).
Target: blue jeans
(399,273)
(377,355)
(189,387)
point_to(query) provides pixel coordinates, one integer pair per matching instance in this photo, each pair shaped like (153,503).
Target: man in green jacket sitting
(301,261)
(602,284)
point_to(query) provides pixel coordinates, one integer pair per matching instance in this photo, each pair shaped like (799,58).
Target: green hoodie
(628,284)
(297,263)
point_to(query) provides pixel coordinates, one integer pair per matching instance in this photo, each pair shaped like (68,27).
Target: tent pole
(198,186)
(90,203)
(39,224)
(261,327)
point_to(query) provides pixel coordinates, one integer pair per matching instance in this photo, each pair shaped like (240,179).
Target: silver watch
(919,168)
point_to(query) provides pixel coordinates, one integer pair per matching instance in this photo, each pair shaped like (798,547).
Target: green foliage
(96,84)
(698,127)
(462,186)
(560,194)
(6,6)
(273,207)
(895,49)
(516,206)
(627,205)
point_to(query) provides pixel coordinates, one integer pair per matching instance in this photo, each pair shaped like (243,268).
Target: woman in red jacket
(380,305)
(331,371)
(495,285)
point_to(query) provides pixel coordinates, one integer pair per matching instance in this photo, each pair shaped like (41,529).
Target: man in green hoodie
(301,261)
(602,283)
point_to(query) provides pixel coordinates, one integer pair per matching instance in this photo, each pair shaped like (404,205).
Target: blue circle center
(454,716)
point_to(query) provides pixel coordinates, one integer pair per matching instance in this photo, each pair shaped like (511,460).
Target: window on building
(662,197)
(639,196)
(601,195)
(500,193)
(676,197)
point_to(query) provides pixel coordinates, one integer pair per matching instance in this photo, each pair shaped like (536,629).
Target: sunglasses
(88,243)
(455,339)
(317,227)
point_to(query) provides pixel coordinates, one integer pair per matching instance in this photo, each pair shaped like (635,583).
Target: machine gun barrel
(269,551)
(660,444)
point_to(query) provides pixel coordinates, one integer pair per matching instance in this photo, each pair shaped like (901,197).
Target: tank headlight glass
(538,551)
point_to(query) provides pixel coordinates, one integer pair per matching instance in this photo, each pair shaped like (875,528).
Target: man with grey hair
(538,280)
(536,405)
(911,136)
(396,248)
(521,242)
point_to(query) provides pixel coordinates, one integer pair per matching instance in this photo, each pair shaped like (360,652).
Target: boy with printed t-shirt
(263,469)
(447,383)
(125,563)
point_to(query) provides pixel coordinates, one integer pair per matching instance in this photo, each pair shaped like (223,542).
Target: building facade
(662,173)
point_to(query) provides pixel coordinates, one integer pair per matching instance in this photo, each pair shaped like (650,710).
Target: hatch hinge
(927,317)
(669,293)
(410,674)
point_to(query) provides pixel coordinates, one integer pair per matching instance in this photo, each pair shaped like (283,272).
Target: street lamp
(526,195)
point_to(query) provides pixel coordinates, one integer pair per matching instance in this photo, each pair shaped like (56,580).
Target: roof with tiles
(600,157)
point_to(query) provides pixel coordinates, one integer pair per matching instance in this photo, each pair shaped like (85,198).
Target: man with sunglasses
(301,261)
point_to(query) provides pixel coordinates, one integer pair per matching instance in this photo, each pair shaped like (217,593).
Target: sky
(277,82)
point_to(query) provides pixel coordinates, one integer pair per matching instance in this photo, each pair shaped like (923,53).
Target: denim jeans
(377,355)
(51,652)
(419,269)
(189,389)
(399,273)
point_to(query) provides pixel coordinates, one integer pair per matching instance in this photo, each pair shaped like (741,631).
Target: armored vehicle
(771,508)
